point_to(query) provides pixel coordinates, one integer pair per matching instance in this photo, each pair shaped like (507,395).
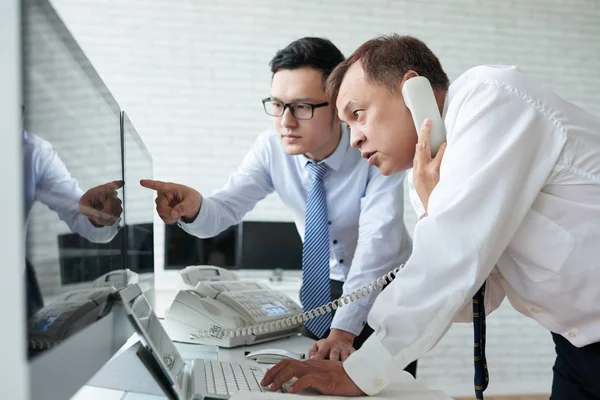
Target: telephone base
(180,332)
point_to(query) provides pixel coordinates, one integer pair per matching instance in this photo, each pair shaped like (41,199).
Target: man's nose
(287,120)
(357,139)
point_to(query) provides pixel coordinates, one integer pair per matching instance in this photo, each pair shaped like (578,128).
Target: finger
(440,154)
(309,381)
(114,207)
(171,198)
(116,184)
(334,354)
(422,155)
(164,210)
(346,353)
(154,185)
(272,373)
(285,375)
(106,219)
(424,139)
(182,209)
(313,349)
(323,352)
(89,211)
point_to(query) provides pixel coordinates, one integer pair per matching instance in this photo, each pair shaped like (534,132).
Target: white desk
(163,297)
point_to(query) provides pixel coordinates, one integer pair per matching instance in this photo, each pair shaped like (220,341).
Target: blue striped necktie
(316,289)
(481,372)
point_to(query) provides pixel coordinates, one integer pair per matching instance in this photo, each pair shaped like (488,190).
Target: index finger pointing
(117,184)
(152,184)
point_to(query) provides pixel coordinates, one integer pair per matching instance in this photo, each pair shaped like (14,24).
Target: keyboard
(225,378)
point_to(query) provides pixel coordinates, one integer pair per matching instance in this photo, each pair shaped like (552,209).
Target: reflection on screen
(155,337)
(71,157)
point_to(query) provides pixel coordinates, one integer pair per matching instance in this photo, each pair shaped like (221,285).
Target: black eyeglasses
(276,108)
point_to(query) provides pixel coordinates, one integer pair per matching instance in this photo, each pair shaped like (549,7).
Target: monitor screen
(71,153)
(82,260)
(249,245)
(269,245)
(183,249)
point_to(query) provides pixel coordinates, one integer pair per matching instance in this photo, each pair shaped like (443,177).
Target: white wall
(191,75)
(14,381)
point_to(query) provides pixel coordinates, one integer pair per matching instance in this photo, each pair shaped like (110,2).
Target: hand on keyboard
(325,376)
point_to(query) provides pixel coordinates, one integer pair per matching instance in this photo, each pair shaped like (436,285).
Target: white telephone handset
(195,273)
(418,96)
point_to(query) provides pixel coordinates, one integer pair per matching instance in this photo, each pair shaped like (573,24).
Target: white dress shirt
(367,235)
(48,180)
(517,204)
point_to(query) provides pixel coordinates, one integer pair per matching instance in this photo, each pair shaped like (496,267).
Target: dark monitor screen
(84,261)
(269,245)
(183,249)
(249,245)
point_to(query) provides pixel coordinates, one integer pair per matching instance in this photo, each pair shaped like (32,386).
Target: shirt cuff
(372,367)
(98,234)
(350,318)
(195,227)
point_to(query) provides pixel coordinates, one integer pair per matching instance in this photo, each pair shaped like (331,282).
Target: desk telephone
(234,313)
(65,316)
(219,306)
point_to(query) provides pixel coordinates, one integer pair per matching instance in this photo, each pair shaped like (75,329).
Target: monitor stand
(131,371)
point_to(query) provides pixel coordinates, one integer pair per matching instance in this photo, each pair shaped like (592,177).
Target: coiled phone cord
(298,319)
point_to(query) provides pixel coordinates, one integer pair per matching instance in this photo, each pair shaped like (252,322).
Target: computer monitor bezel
(128,297)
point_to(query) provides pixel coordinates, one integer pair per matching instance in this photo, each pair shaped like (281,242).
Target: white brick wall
(191,75)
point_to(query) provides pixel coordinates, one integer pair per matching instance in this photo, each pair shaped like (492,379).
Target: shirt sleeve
(501,150)
(60,191)
(246,187)
(494,295)
(383,244)
(414,197)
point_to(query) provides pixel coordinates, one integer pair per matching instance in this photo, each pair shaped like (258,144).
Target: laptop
(195,380)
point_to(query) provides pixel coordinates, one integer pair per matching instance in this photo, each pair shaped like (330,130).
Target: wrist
(94,223)
(188,219)
(339,334)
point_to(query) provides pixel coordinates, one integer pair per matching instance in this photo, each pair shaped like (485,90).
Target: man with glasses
(349,215)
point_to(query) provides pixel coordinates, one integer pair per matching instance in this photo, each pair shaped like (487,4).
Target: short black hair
(315,52)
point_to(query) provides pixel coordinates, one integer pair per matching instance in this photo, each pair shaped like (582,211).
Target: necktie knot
(317,171)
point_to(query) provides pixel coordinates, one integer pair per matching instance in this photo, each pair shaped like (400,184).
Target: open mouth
(368,154)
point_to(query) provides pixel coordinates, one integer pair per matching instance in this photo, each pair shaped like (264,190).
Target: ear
(409,74)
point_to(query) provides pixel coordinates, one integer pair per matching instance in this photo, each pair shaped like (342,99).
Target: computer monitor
(72,177)
(183,249)
(83,261)
(248,245)
(270,245)
(71,148)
